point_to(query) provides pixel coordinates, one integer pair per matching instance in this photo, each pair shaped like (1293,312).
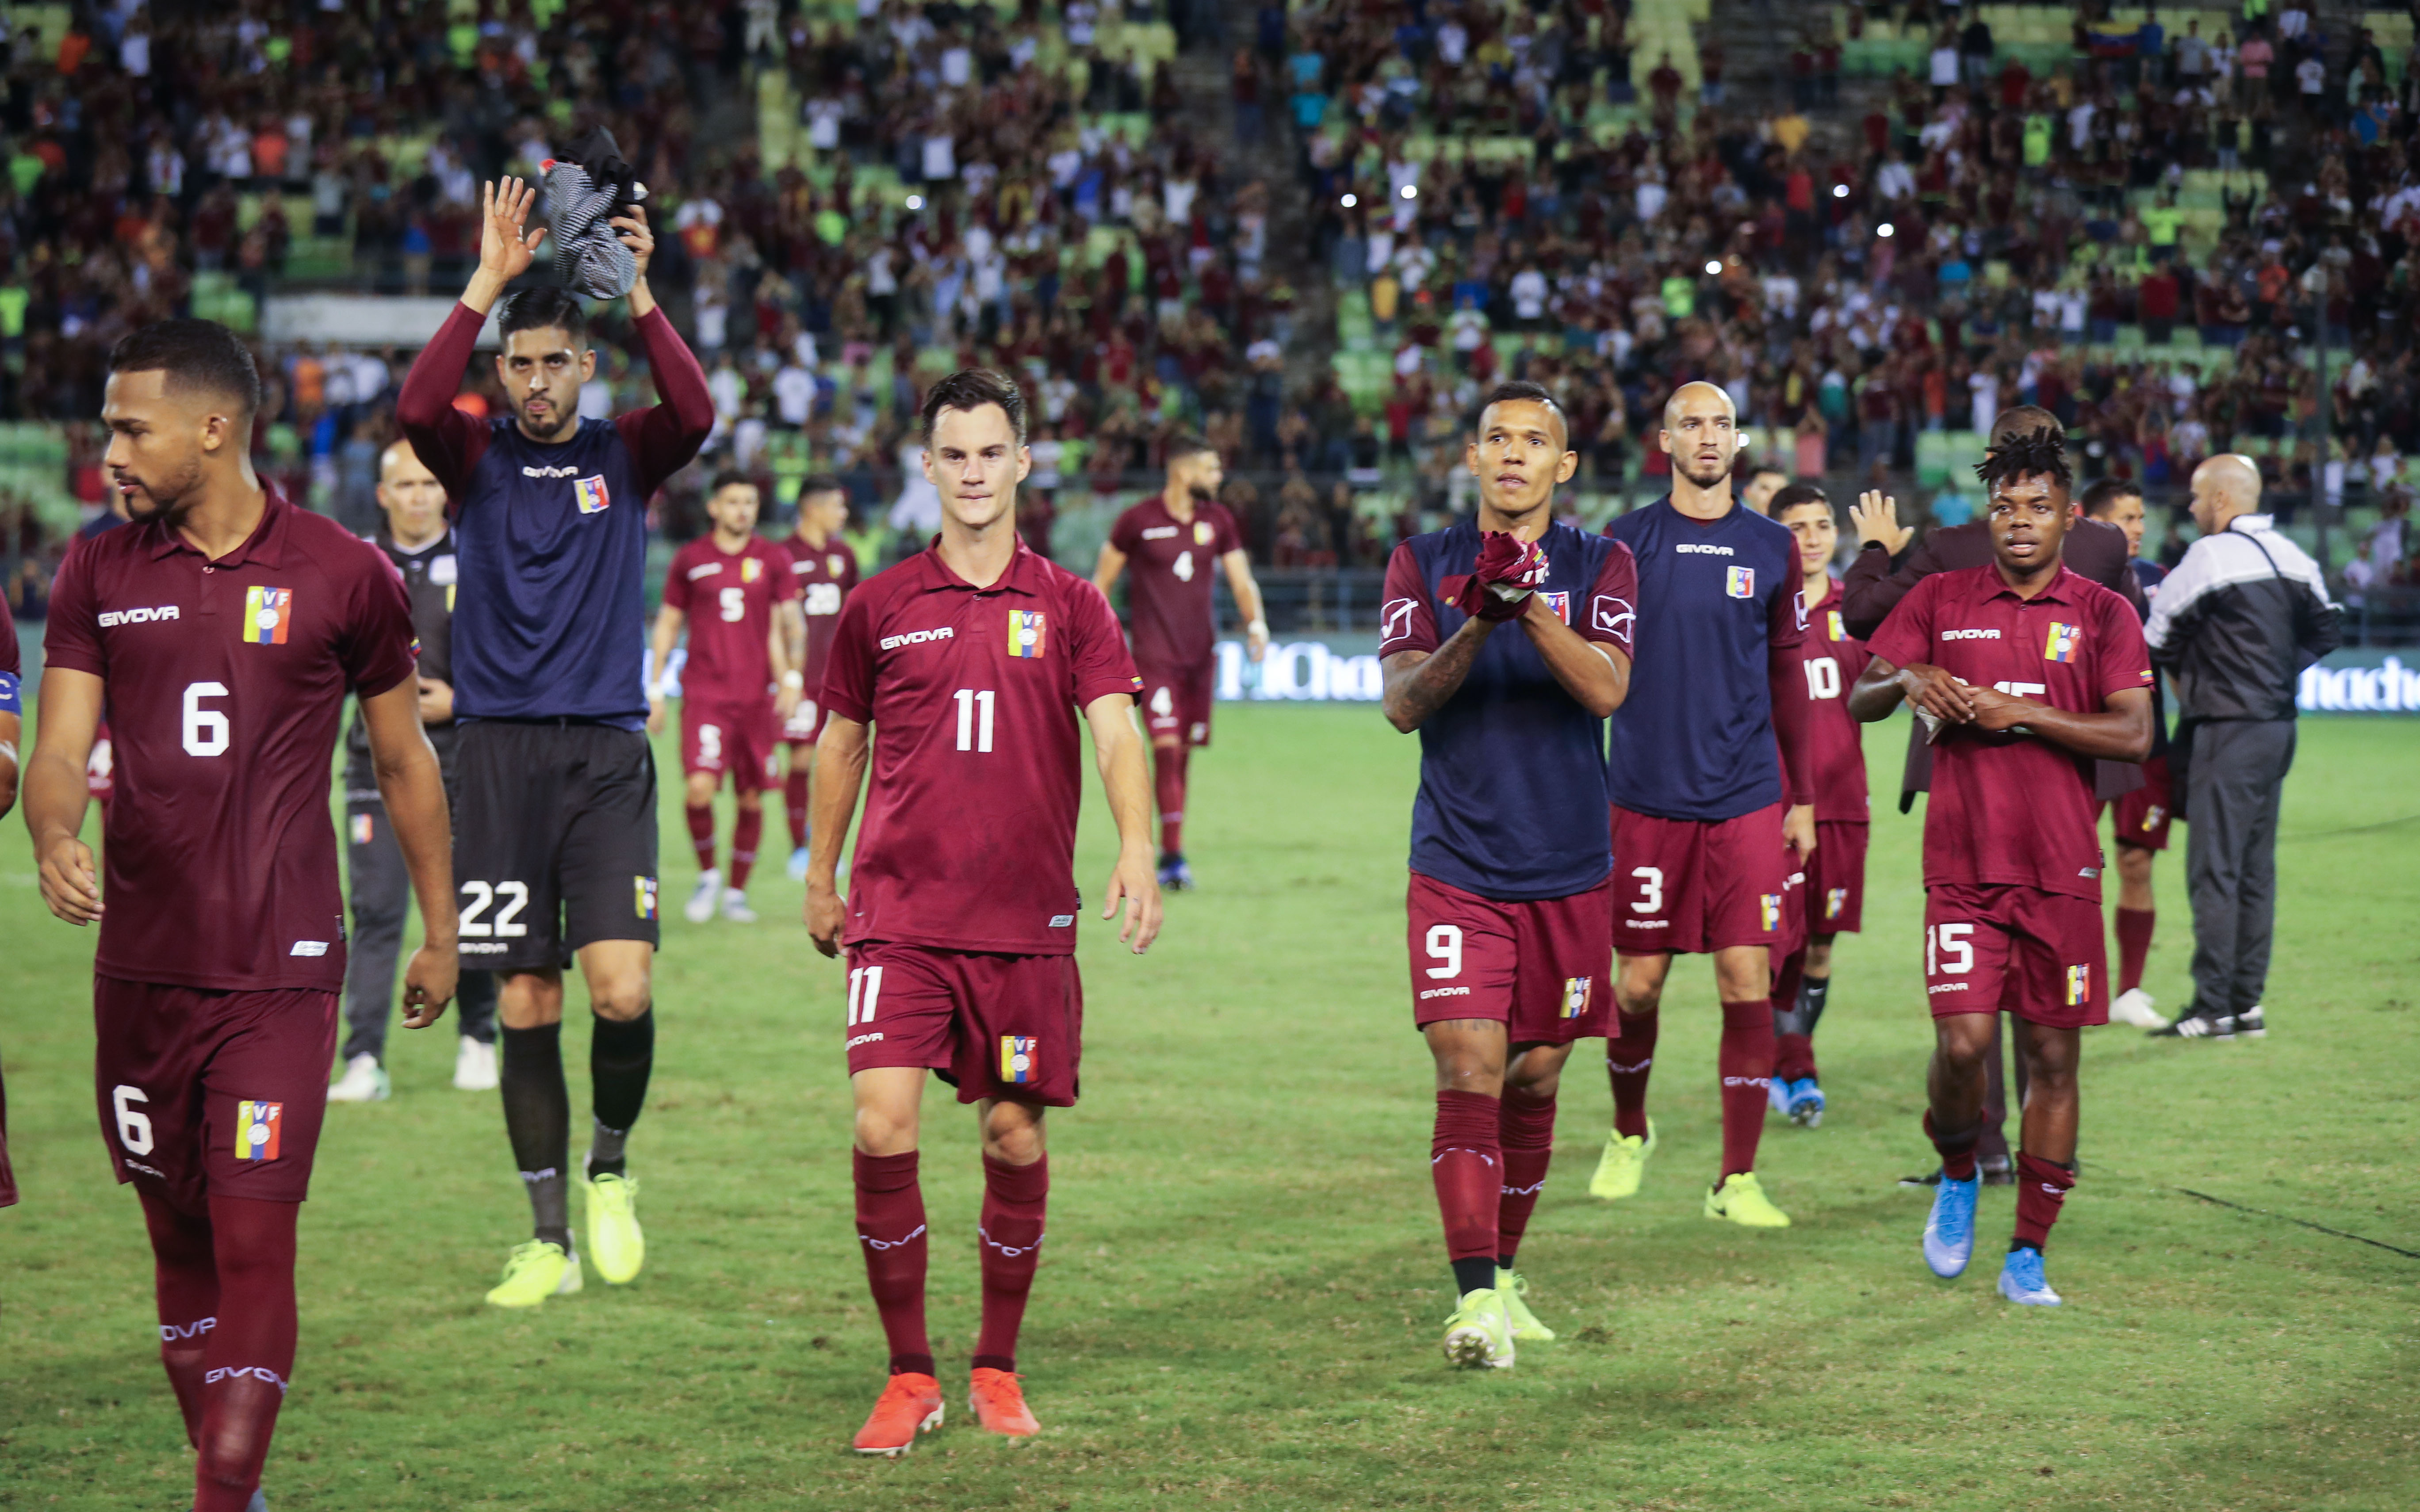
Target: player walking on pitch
(223,630)
(969,662)
(1170,540)
(1712,791)
(1510,901)
(824,566)
(2143,817)
(1833,896)
(734,592)
(557,859)
(2026,673)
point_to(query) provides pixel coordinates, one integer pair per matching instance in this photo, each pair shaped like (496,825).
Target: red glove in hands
(1498,587)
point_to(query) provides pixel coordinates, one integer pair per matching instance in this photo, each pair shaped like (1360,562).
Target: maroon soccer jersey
(1833,662)
(2012,807)
(826,575)
(729,598)
(968,838)
(1171,564)
(226,682)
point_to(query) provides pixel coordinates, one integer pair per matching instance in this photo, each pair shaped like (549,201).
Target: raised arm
(446,438)
(413,790)
(1117,750)
(663,437)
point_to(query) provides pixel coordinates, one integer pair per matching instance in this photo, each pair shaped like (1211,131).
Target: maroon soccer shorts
(1539,967)
(207,1093)
(1696,887)
(992,1026)
(1176,703)
(805,725)
(2041,955)
(1835,898)
(7,1177)
(738,739)
(2143,814)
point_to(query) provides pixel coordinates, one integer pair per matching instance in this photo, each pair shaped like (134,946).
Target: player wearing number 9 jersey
(2026,673)
(969,662)
(224,629)
(1506,643)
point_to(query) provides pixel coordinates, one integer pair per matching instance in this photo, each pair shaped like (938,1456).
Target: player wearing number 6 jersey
(969,663)
(223,629)
(1506,643)
(2024,674)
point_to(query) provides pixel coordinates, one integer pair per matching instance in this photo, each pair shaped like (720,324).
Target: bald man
(416,538)
(2233,627)
(1712,787)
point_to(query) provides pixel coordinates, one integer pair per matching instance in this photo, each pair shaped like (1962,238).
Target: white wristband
(794,679)
(1259,627)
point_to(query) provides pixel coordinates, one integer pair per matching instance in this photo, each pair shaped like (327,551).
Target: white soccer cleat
(2133,1006)
(700,907)
(364,1081)
(474,1065)
(735,906)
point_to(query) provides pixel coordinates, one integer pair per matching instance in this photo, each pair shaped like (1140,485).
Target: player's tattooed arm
(2120,733)
(57,797)
(840,771)
(1418,683)
(1881,688)
(413,788)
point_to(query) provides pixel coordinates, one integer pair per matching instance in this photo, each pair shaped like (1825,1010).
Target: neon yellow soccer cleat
(1741,1199)
(1478,1336)
(1516,1292)
(616,1245)
(1625,1161)
(537,1271)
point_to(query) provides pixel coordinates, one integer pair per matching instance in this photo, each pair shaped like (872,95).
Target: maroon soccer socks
(794,793)
(2133,945)
(890,1229)
(1525,1138)
(2042,1192)
(1168,764)
(701,833)
(1010,1232)
(747,833)
(1627,1062)
(1745,1060)
(225,1290)
(1466,1162)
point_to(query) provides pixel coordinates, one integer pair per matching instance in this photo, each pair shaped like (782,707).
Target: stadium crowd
(2143,235)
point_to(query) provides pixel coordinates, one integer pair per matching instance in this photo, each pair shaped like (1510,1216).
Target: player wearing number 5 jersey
(734,594)
(1506,643)
(969,663)
(223,629)
(2024,674)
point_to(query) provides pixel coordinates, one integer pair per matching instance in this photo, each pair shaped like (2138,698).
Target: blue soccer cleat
(1175,875)
(798,863)
(2022,1281)
(1805,1107)
(1776,1095)
(1949,1232)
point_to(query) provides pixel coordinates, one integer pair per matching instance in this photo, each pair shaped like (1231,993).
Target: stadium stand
(1311,232)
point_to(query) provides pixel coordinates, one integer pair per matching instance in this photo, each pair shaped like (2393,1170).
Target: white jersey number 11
(974,718)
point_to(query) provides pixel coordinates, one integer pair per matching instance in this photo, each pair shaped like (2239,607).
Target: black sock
(538,1120)
(1474,1275)
(1504,1262)
(620,1057)
(1812,991)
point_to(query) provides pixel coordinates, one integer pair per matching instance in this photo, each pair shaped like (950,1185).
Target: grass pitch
(1242,1293)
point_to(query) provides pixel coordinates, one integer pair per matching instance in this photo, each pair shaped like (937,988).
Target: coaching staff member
(2234,625)
(557,858)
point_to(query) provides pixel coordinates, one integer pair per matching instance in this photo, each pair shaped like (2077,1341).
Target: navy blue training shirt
(550,615)
(1513,799)
(1716,599)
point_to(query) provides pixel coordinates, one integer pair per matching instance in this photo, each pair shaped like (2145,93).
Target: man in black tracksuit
(2233,627)
(417,540)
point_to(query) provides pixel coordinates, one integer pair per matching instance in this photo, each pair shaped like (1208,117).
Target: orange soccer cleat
(911,1404)
(1000,1404)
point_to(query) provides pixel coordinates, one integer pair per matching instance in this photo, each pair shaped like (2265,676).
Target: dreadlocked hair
(2041,451)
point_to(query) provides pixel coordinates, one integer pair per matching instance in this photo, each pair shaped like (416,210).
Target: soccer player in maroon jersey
(223,629)
(729,588)
(1506,644)
(2143,816)
(1171,539)
(970,661)
(10,720)
(1833,893)
(2025,674)
(824,565)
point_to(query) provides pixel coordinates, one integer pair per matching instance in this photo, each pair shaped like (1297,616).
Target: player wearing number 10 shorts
(1506,643)
(969,662)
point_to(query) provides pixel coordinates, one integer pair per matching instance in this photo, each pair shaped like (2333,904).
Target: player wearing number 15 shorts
(223,628)
(2025,674)
(969,663)
(1506,643)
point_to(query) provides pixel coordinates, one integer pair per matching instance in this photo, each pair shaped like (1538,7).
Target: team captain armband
(10,698)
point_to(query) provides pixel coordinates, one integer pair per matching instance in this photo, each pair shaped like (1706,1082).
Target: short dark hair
(200,354)
(1791,496)
(540,309)
(2022,419)
(2102,497)
(1778,471)
(819,483)
(726,478)
(2024,454)
(1520,391)
(970,389)
(1186,443)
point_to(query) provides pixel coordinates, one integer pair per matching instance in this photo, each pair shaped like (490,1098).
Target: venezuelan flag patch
(256,1127)
(2060,644)
(1832,622)
(644,888)
(1025,629)
(1770,904)
(591,494)
(1740,583)
(1576,996)
(268,614)
(1020,1056)
(2079,985)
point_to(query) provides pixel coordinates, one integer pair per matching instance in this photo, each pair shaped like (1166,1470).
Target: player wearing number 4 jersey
(1506,644)
(969,663)
(736,596)
(824,568)
(223,629)
(1171,540)
(2024,674)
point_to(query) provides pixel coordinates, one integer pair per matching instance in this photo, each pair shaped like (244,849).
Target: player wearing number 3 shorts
(1506,643)
(2025,673)
(223,628)
(969,662)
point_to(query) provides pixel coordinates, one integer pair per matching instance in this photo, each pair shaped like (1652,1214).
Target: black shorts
(554,840)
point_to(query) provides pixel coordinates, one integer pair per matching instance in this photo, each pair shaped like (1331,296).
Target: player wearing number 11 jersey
(969,663)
